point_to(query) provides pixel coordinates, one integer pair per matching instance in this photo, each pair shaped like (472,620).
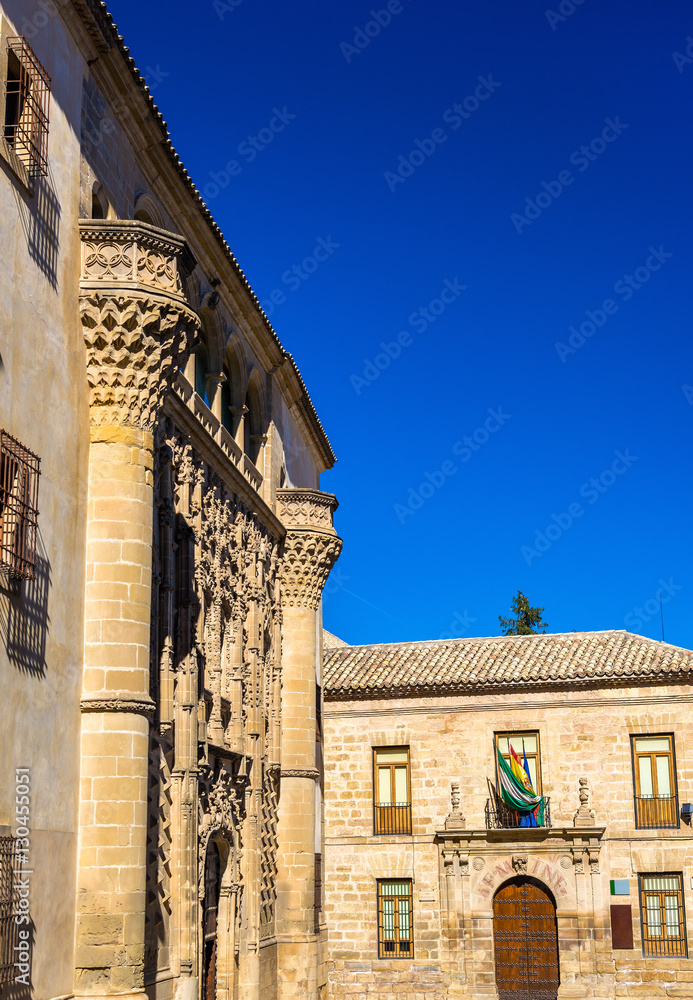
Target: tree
(527,620)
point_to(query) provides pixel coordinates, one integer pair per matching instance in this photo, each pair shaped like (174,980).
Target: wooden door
(525,942)
(209,921)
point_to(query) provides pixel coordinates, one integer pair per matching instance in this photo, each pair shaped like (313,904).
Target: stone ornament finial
(311,545)
(455,820)
(584,815)
(137,324)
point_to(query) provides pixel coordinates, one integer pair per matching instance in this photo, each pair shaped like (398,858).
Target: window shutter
(621,926)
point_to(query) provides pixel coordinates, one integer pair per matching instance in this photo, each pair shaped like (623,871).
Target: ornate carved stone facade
(174,681)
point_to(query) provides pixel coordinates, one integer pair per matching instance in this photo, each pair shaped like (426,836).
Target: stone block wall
(582,734)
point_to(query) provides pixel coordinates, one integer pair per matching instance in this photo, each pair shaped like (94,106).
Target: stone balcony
(129,256)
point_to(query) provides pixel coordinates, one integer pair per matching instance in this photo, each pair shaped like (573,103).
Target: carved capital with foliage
(311,546)
(137,324)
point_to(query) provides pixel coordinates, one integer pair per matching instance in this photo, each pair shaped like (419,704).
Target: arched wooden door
(525,941)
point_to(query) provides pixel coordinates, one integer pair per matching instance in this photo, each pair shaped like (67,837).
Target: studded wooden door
(525,942)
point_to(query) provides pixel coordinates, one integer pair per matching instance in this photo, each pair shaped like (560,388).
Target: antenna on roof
(661,613)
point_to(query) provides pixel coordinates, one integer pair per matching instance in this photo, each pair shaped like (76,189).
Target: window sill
(19,172)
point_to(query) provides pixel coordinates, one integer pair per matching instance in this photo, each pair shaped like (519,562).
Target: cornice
(122,84)
(480,706)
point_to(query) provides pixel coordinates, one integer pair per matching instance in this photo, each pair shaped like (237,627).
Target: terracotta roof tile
(502,663)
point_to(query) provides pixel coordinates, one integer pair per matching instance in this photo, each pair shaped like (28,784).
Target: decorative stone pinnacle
(455,820)
(137,324)
(584,816)
(311,546)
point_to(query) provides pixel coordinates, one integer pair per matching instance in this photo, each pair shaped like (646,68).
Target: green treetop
(526,620)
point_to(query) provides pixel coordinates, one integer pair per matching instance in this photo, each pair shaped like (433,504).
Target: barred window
(395,927)
(392,790)
(19,477)
(8,927)
(662,915)
(656,802)
(27,103)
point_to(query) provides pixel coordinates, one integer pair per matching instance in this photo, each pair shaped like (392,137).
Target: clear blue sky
(336,114)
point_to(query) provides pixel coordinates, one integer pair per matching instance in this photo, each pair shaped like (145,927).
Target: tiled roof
(502,663)
(104,33)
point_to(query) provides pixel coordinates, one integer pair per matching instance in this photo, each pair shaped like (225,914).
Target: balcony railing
(653,812)
(392,818)
(502,817)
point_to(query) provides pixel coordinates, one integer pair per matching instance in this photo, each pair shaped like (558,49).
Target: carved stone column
(311,548)
(138,329)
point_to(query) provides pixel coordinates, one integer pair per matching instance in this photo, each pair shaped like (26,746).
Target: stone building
(160,583)
(436,888)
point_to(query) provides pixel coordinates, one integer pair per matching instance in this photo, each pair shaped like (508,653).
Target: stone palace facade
(160,583)
(435,889)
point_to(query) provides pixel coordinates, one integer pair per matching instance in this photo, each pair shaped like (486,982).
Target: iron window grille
(27,106)
(395,923)
(317,890)
(500,816)
(8,927)
(662,915)
(655,791)
(19,480)
(391,790)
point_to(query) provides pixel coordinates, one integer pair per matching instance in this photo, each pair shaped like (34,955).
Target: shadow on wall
(40,218)
(24,620)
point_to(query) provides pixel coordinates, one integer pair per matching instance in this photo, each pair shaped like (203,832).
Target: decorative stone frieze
(138,327)
(311,546)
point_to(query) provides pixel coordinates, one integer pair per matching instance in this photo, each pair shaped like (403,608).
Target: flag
(514,790)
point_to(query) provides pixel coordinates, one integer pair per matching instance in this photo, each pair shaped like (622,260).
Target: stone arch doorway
(210,919)
(525,941)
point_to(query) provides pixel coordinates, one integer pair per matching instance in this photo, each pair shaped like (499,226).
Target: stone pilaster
(137,328)
(311,547)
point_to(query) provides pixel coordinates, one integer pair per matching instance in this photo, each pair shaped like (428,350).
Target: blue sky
(532,167)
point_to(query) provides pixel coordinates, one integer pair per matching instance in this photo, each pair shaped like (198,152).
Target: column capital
(311,546)
(137,324)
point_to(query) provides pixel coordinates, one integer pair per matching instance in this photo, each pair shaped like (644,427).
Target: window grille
(654,774)
(8,927)
(392,790)
(19,478)
(317,892)
(662,915)
(395,925)
(27,104)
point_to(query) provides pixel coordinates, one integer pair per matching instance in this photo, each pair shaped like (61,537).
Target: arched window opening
(97,211)
(201,370)
(142,216)
(228,418)
(253,426)
(99,202)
